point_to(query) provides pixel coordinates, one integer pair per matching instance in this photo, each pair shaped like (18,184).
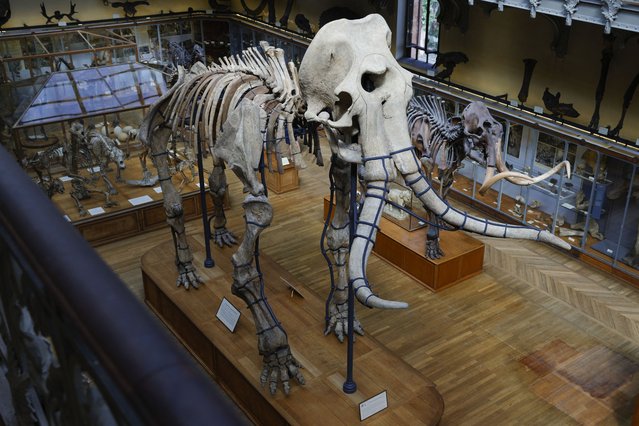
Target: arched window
(422,39)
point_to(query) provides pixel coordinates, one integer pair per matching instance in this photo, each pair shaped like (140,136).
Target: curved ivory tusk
(520,178)
(362,245)
(516,177)
(367,298)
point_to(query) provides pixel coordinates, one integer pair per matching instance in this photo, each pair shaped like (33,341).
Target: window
(422,40)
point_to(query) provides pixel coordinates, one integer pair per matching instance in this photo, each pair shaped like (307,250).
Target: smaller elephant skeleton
(444,142)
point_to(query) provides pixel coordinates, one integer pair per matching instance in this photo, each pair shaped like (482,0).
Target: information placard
(373,405)
(96,210)
(228,314)
(140,200)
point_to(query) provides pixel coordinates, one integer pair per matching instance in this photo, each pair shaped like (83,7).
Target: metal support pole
(208,262)
(349,385)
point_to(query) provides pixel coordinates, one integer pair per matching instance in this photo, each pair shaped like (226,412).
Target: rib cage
(442,133)
(201,100)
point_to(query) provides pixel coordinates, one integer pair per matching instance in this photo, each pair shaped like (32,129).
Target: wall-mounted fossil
(558,108)
(529,66)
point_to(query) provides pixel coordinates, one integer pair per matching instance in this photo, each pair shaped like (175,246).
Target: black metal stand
(349,385)
(208,262)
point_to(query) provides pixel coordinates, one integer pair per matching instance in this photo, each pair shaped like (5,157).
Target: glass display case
(30,56)
(596,209)
(401,196)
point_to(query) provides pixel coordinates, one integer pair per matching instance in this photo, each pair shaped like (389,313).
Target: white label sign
(93,169)
(140,200)
(373,405)
(158,189)
(285,161)
(65,178)
(228,314)
(96,210)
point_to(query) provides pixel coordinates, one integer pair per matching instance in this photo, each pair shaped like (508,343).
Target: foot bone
(280,367)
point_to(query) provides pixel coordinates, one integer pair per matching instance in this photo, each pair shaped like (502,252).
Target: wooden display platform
(464,256)
(233,361)
(282,182)
(124,223)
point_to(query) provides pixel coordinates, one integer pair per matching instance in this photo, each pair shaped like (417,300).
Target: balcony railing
(76,347)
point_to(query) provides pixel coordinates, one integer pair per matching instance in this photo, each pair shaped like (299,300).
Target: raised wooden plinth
(464,255)
(233,361)
(282,182)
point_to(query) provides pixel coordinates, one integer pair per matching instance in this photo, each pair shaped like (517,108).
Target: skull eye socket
(344,102)
(371,81)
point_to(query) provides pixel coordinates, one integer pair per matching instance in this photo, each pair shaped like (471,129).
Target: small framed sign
(373,405)
(228,314)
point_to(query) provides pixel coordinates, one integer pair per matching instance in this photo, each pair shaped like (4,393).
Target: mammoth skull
(351,73)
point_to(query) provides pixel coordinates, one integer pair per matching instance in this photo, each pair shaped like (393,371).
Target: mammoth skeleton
(250,101)
(355,87)
(444,142)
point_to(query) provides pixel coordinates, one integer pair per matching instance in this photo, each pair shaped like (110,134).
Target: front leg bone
(338,240)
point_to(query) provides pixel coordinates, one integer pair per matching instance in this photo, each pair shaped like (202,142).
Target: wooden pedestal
(109,227)
(464,255)
(282,182)
(233,361)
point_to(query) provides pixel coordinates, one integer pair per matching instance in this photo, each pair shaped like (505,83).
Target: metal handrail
(156,376)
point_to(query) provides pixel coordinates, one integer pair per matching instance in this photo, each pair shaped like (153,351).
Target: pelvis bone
(349,72)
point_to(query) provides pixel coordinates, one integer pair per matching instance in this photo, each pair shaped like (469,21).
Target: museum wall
(27,12)
(497,43)
(311,9)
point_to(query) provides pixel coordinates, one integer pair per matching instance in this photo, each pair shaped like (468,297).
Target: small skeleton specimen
(577,229)
(82,188)
(57,15)
(49,185)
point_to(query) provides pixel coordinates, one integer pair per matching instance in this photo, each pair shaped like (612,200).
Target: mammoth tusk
(520,178)
(367,298)
(516,177)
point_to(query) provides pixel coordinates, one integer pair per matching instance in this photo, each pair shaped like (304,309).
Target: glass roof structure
(92,91)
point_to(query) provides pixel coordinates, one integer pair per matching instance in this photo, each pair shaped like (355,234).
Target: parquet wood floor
(538,338)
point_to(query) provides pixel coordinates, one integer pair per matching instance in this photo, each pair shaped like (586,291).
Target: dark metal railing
(76,347)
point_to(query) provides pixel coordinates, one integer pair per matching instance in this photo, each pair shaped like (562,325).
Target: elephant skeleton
(235,107)
(349,72)
(444,142)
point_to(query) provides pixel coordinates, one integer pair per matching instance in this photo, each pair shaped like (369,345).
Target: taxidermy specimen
(349,72)
(57,15)
(129,7)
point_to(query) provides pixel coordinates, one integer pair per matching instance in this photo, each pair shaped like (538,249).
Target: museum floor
(538,338)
